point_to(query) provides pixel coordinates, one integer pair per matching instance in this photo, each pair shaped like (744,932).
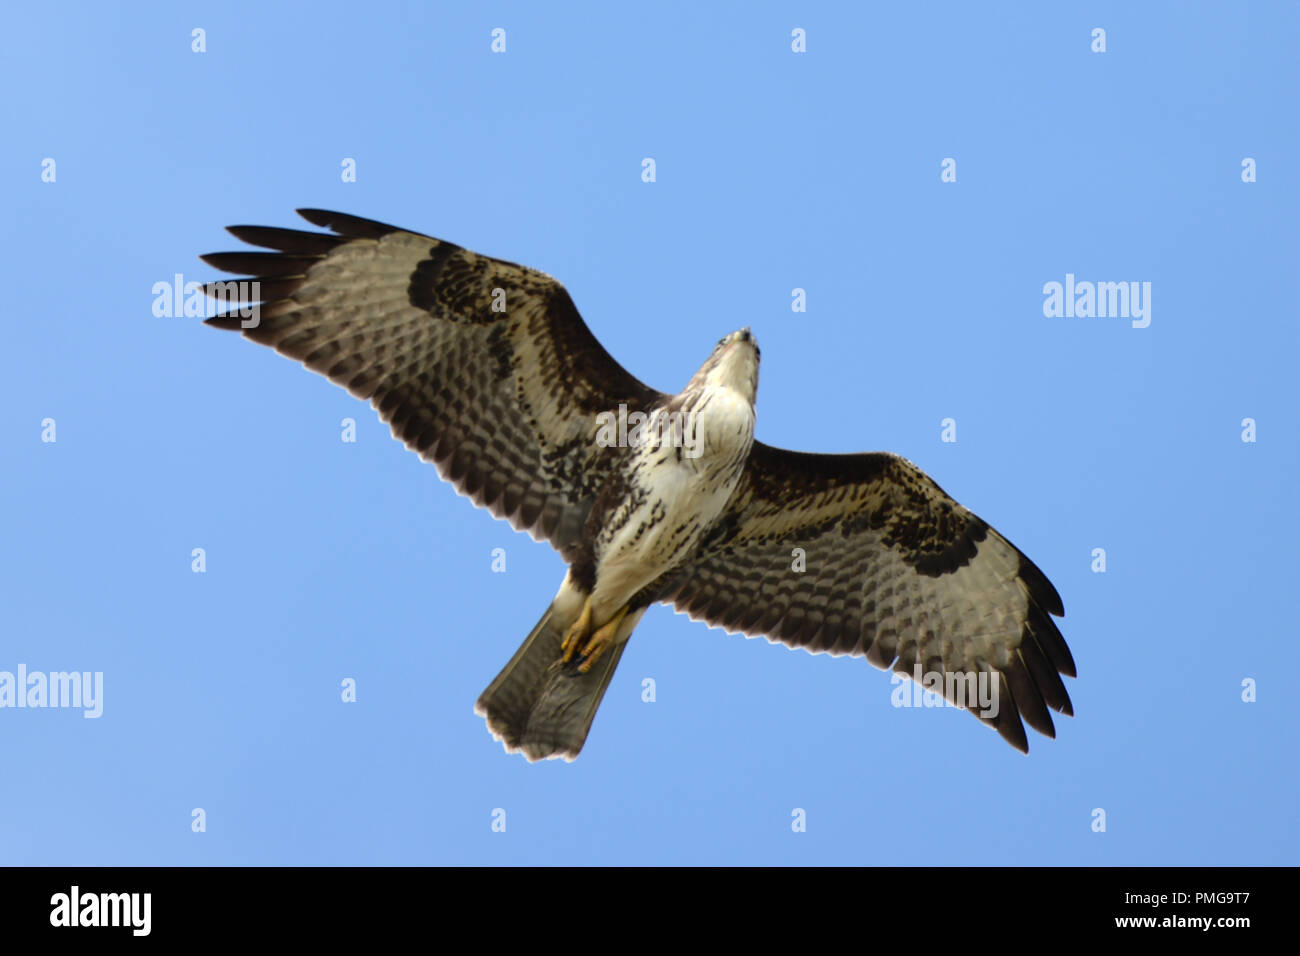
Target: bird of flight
(486,369)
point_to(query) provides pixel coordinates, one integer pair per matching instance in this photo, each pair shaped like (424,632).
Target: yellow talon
(578,633)
(602,640)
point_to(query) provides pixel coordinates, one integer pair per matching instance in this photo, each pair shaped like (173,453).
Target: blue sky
(775,170)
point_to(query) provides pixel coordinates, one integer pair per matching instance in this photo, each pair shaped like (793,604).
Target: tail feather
(538,706)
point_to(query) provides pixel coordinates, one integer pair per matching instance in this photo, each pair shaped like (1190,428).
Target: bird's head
(733,364)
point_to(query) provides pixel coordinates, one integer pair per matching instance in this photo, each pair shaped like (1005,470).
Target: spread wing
(483,367)
(896,571)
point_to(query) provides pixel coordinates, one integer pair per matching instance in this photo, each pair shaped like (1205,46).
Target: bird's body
(646,521)
(657,509)
(486,369)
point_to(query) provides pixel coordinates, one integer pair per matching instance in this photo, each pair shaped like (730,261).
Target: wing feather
(481,366)
(894,570)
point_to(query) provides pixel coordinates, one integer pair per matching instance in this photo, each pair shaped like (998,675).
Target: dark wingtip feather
(1013,732)
(1050,639)
(353,227)
(1029,698)
(255,289)
(1040,589)
(1044,675)
(260,263)
(294,241)
(1007,722)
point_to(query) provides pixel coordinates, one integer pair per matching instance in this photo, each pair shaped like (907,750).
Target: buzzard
(486,369)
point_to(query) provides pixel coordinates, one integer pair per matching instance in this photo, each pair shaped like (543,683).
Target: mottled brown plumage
(877,533)
(486,369)
(406,322)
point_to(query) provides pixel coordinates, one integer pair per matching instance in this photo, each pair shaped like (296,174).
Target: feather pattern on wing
(896,571)
(481,366)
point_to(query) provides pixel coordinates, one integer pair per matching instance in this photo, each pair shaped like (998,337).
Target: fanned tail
(536,705)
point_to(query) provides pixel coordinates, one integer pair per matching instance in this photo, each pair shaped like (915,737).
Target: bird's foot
(601,640)
(578,633)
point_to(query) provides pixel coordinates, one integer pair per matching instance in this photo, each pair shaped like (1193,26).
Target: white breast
(680,486)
